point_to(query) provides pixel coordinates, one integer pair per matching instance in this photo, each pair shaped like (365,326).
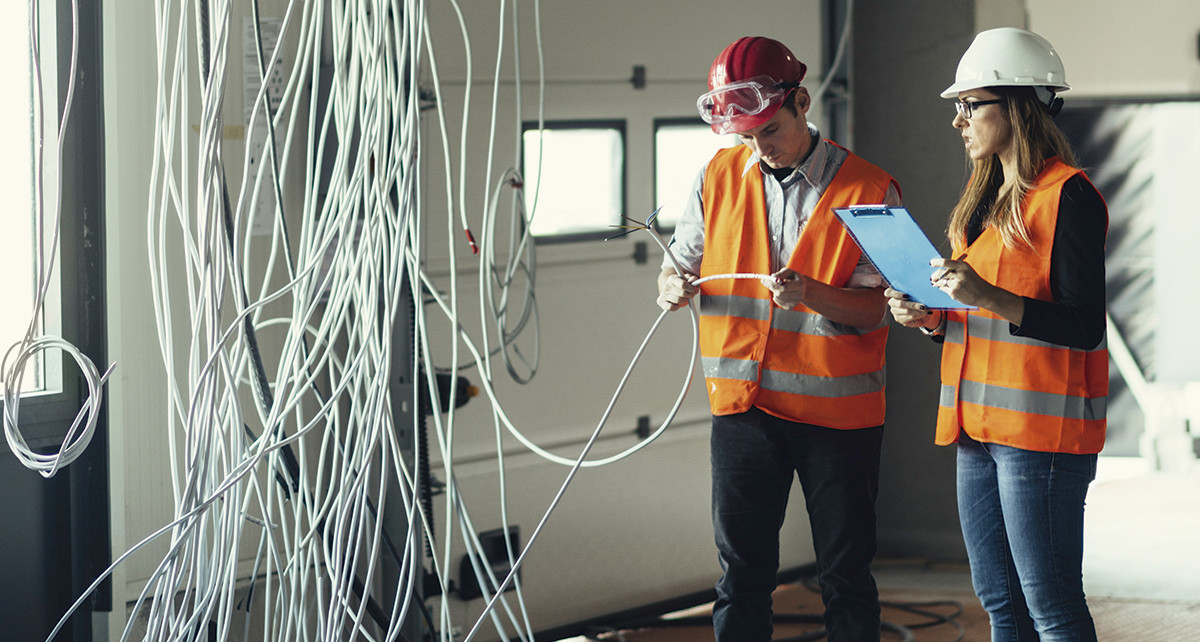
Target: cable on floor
(914,608)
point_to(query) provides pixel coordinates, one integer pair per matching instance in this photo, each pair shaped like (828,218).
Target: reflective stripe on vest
(1038,403)
(1013,390)
(793,364)
(829,387)
(801,321)
(994,396)
(795,321)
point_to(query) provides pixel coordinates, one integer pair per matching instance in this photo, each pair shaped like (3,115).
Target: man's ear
(803,100)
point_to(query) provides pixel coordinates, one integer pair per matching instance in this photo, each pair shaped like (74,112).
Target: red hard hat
(750,58)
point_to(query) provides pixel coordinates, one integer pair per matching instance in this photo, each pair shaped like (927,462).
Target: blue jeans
(754,457)
(1022,519)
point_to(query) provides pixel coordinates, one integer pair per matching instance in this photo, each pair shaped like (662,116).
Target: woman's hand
(909,313)
(959,280)
(963,284)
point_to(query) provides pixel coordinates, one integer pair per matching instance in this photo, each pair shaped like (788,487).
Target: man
(794,363)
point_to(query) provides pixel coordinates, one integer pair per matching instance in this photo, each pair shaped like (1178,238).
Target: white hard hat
(1008,57)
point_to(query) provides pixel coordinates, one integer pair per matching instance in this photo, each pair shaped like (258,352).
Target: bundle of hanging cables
(282,451)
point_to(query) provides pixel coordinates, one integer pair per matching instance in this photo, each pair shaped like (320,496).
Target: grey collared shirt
(790,202)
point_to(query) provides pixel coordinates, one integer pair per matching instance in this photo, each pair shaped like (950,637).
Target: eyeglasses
(965,108)
(744,98)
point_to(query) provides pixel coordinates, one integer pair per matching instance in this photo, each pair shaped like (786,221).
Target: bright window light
(574,179)
(680,150)
(16,183)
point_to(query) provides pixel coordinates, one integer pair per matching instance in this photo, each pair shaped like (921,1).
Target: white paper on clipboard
(898,248)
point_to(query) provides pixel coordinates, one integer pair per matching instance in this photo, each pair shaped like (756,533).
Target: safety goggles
(743,98)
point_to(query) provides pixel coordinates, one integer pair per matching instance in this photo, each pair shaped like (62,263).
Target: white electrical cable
(733,275)
(19,355)
(75,441)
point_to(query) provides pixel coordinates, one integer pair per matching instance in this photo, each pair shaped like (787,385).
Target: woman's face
(987,131)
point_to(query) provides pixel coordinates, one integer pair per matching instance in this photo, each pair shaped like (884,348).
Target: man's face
(782,141)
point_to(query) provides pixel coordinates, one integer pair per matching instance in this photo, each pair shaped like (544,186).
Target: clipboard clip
(871,210)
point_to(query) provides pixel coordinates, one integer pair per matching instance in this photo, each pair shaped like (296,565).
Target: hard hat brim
(966,85)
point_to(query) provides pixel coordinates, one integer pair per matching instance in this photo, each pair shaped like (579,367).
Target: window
(57,536)
(17,259)
(574,178)
(681,147)
(67,219)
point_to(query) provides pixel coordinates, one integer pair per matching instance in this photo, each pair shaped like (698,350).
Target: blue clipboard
(898,248)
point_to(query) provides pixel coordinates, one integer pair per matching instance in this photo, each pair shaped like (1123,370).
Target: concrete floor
(1141,557)
(1141,565)
(1141,538)
(1142,533)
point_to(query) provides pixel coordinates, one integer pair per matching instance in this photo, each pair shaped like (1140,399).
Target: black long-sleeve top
(1075,318)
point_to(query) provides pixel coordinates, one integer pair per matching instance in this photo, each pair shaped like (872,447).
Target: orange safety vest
(1012,390)
(794,364)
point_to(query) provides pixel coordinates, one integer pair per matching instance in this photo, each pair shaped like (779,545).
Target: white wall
(587,77)
(635,532)
(1115,48)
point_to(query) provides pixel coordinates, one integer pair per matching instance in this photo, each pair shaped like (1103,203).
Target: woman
(1025,375)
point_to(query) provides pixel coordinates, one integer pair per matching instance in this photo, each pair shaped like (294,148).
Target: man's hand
(858,307)
(675,291)
(787,287)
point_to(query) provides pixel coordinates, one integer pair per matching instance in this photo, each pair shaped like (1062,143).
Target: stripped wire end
(629,229)
(635,225)
(653,215)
